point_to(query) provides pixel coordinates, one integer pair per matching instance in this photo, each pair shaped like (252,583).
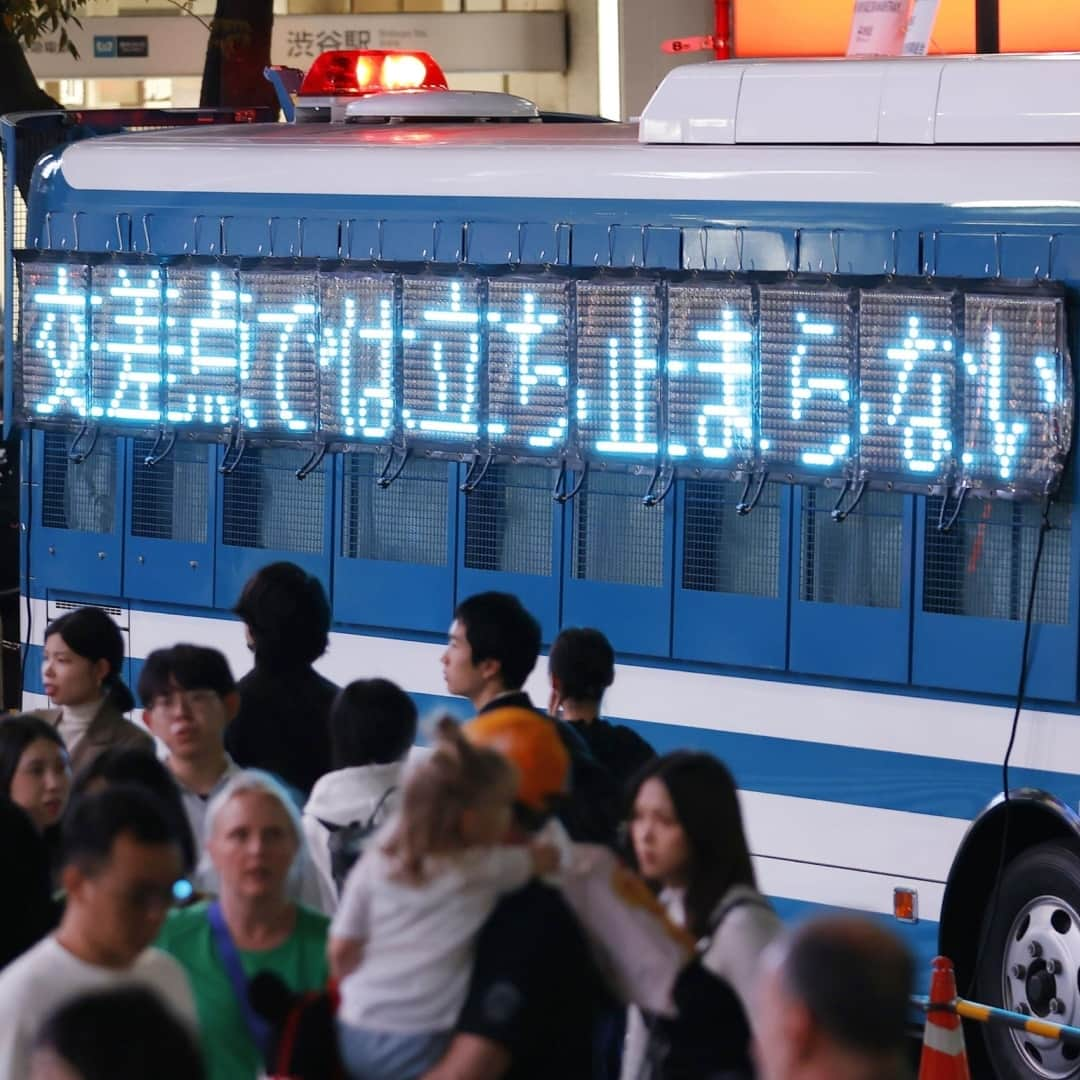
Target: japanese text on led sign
(894,382)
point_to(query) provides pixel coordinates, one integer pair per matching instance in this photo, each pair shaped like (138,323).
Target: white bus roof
(914,100)
(797,163)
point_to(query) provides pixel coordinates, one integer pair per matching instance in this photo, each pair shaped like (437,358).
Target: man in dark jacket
(582,667)
(282,724)
(493,646)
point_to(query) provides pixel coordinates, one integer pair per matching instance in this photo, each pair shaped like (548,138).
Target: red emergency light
(356,72)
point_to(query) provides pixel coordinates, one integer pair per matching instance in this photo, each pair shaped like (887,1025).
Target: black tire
(1045,880)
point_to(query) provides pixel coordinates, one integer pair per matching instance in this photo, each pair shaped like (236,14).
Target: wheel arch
(1034,816)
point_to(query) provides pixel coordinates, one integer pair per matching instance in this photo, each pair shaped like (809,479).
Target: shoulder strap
(724,910)
(379,805)
(330,826)
(259,1030)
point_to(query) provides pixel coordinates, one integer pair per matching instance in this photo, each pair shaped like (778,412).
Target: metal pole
(987,26)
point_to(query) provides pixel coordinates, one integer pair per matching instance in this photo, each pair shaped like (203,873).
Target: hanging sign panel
(891,383)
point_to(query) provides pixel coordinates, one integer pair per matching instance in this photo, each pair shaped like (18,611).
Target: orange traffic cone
(943,1053)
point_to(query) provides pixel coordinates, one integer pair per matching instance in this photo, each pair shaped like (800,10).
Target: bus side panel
(75,540)
(851,601)
(620,552)
(732,575)
(394,545)
(510,538)
(269,515)
(170,523)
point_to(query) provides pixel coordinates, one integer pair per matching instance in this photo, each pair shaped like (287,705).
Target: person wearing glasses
(120,861)
(189,697)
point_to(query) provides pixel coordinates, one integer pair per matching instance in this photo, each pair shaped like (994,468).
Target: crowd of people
(270,877)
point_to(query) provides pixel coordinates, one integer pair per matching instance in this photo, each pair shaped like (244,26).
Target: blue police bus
(772,386)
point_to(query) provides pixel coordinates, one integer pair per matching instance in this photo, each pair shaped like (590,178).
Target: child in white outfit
(401,941)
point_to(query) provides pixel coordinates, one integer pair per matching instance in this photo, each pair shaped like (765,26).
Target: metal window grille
(857,562)
(726,552)
(508,520)
(170,499)
(405,522)
(616,537)
(265,506)
(982,566)
(80,497)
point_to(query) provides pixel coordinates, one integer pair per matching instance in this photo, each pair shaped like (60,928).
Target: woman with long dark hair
(689,843)
(35,773)
(81,672)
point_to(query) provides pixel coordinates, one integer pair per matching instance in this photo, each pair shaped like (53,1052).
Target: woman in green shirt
(255,842)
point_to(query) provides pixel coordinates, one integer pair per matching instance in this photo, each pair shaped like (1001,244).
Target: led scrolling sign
(891,382)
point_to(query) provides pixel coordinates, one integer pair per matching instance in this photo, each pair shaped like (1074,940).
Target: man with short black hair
(493,646)
(833,1002)
(121,858)
(189,698)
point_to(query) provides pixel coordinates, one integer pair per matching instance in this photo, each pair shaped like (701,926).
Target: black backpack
(346,842)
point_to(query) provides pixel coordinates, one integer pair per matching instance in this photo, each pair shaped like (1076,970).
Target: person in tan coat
(84,654)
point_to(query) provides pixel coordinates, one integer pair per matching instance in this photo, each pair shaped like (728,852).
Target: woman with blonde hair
(402,938)
(254,840)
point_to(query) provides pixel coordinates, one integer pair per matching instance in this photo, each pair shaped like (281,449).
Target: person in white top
(120,861)
(402,939)
(688,841)
(372,725)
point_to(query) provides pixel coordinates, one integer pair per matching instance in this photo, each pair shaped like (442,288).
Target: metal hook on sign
(559,493)
(270,237)
(48,228)
(119,231)
(146,232)
(655,494)
(840,512)
(476,472)
(1050,259)
(300,223)
(834,239)
(158,452)
(376,253)
(997,256)
(927,269)
(340,239)
(520,243)
(739,238)
(434,243)
(944,524)
(386,477)
(794,263)
(77,454)
(560,226)
(75,228)
(236,446)
(312,463)
(644,245)
(703,244)
(463,253)
(743,507)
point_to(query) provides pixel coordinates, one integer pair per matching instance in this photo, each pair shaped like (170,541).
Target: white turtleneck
(75,719)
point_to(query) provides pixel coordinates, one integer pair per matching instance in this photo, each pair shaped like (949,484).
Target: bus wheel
(1031,962)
